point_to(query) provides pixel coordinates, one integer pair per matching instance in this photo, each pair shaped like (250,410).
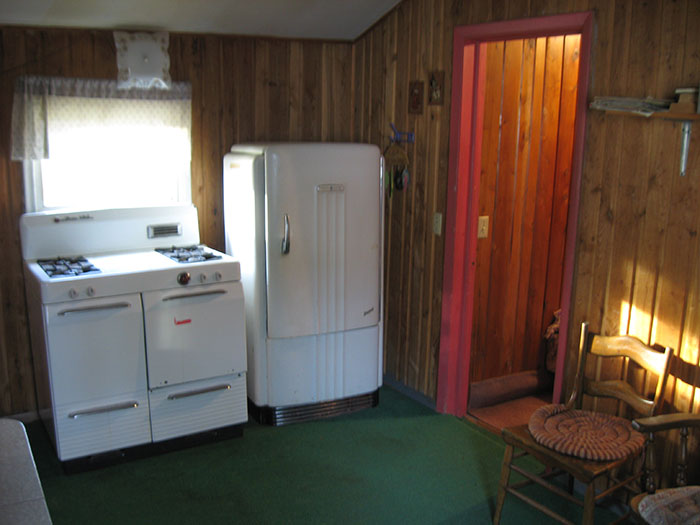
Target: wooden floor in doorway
(510,413)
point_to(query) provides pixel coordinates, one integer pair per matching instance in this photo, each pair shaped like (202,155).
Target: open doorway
(516,142)
(529,108)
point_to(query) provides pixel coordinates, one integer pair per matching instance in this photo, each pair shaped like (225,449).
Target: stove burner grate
(188,254)
(67,266)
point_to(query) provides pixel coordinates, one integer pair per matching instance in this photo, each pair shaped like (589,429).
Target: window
(86,144)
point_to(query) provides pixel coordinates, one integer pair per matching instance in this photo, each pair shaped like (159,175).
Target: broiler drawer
(198,406)
(100,425)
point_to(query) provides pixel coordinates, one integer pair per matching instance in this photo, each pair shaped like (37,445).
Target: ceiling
(316,19)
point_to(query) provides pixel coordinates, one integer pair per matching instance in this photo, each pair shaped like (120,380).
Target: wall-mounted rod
(685,143)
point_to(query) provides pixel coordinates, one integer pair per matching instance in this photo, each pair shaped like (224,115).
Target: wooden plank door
(529,112)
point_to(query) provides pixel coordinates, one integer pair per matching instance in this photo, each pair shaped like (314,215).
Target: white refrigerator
(305,221)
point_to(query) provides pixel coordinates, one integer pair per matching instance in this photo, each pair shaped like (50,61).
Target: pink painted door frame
(466,123)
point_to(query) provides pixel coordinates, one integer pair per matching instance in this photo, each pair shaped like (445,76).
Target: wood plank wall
(243,89)
(412,41)
(637,249)
(628,162)
(529,111)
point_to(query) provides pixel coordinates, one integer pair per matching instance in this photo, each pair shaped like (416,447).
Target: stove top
(188,254)
(67,266)
(74,256)
(122,273)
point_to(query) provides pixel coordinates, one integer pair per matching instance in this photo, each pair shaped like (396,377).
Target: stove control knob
(90,291)
(217,276)
(73,293)
(202,278)
(183,278)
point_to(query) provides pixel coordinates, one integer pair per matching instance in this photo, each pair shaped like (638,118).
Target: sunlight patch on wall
(639,322)
(681,393)
(624,317)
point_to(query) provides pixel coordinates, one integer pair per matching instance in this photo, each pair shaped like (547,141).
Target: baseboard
(25,417)
(419,397)
(501,389)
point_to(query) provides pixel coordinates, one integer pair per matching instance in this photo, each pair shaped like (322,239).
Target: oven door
(98,375)
(194,333)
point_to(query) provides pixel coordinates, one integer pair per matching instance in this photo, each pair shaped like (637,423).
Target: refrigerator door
(323,238)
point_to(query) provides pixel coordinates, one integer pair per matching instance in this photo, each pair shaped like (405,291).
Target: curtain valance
(32,99)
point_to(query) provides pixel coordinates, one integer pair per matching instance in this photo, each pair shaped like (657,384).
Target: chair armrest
(666,422)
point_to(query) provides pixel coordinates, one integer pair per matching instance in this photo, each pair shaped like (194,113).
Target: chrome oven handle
(215,388)
(102,410)
(286,242)
(95,308)
(195,294)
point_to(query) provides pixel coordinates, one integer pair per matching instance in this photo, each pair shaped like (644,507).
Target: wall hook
(402,136)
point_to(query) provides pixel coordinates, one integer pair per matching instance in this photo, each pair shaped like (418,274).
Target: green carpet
(397,463)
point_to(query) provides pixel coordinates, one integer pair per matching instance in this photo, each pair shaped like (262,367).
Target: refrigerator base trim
(278,416)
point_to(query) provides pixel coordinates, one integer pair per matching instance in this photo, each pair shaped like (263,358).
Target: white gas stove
(138,331)
(118,273)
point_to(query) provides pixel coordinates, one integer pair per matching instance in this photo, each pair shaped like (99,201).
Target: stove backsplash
(85,232)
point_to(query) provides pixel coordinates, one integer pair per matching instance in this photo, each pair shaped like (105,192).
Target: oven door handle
(206,390)
(196,294)
(95,308)
(102,410)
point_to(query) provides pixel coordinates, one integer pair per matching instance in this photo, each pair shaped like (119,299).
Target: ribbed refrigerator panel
(330,245)
(329,365)
(93,433)
(198,406)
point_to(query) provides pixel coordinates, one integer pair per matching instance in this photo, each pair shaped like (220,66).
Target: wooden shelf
(686,118)
(665,115)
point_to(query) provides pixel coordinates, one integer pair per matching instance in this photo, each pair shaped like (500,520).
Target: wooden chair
(585,471)
(652,506)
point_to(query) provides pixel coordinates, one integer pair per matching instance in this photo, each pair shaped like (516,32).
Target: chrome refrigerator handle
(285,240)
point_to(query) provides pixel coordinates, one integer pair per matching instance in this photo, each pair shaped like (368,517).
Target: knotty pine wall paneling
(243,89)
(637,248)
(410,43)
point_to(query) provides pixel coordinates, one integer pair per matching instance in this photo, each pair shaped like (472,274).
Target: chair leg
(589,505)
(503,483)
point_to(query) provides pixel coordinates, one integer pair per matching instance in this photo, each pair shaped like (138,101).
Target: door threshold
(509,413)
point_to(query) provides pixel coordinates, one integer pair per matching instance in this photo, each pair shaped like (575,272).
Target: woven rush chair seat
(584,434)
(679,506)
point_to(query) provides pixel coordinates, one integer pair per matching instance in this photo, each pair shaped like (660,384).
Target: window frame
(30,132)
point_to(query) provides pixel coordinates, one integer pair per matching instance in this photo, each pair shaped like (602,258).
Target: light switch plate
(483,227)
(437,223)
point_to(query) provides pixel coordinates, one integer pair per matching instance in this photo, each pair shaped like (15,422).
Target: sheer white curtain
(87,144)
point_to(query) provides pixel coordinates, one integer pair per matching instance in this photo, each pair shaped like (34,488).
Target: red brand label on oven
(183,321)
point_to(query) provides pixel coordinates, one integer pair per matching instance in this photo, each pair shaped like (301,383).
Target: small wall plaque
(142,60)
(415,97)
(436,87)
